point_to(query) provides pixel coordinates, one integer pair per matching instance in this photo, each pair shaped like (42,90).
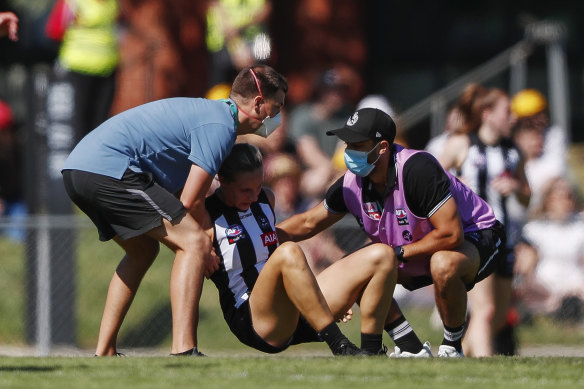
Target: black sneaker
(381,352)
(346,348)
(194,352)
(115,355)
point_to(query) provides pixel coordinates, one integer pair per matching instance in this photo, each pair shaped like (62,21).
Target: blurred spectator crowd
(108,56)
(544,235)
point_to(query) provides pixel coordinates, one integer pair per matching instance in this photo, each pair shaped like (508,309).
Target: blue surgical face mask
(269,125)
(356,161)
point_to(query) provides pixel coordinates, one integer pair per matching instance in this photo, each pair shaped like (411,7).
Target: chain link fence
(55,274)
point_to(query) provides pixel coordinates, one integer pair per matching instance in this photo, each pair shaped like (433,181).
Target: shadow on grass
(29,369)
(154,329)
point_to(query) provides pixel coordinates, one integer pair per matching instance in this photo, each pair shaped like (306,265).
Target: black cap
(366,124)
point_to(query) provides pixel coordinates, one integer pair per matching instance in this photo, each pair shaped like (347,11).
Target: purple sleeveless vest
(396,224)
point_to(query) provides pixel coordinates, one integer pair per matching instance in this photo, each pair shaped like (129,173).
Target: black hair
(244,157)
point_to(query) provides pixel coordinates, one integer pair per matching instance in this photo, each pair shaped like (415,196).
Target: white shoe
(445,351)
(425,352)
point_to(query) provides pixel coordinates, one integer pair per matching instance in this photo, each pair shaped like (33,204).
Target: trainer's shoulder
(209,112)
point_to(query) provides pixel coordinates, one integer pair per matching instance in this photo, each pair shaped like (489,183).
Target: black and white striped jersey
(483,163)
(243,240)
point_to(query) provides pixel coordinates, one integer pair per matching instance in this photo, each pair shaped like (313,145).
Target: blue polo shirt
(164,137)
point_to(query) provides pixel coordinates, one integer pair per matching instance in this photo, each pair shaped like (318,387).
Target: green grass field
(291,372)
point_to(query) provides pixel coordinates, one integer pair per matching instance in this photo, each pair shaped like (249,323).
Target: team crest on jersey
(269,238)
(372,211)
(407,236)
(402,217)
(264,223)
(234,233)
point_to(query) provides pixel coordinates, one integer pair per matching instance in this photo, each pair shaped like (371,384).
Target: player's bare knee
(198,242)
(381,257)
(290,254)
(484,312)
(443,268)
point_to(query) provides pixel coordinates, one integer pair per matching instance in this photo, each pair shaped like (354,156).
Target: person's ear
(257,103)
(485,114)
(384,147)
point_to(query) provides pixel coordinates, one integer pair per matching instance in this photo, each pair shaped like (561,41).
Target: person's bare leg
(186,285)
(140,254)
(451,270)
(369,274)
(192,248)
(285,288)
(394,312)
(478,340)
(503,291)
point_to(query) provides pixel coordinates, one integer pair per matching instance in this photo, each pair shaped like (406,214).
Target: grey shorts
(128,207)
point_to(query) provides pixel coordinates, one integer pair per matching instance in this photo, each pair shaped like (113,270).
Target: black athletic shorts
(507,263)
(491,244)
(128,207)
(240,323)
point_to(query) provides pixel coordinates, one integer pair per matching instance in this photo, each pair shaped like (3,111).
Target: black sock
(453,337)
(332,335)
(404,336)
(371,342)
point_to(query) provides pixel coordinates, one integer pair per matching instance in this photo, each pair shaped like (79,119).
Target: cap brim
(348,135)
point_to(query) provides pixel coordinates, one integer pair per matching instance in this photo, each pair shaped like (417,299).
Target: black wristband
(399,253)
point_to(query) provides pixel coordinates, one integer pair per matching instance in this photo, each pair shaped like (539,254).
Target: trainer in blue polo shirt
(142,177)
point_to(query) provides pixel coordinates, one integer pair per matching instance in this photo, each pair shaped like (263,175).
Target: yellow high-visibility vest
(238,13)
(90,43)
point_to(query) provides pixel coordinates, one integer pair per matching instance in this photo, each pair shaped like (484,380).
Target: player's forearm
(294,229)
(523,194)
(306,225)
(433,242)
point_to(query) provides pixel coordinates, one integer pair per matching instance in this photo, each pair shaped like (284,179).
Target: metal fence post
(43,287)
(50,262)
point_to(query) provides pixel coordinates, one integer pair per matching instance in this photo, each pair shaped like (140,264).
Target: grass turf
(291,372)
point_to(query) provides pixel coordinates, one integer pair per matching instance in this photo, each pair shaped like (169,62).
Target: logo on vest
(372,211)
(407,236)
(402,217)
(269,238)
(234,233)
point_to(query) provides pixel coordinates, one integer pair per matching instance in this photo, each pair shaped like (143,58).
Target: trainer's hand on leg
(212,262)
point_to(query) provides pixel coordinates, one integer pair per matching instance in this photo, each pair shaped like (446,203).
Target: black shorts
(506,264)
(240,323)
(491,244)
(128,207)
